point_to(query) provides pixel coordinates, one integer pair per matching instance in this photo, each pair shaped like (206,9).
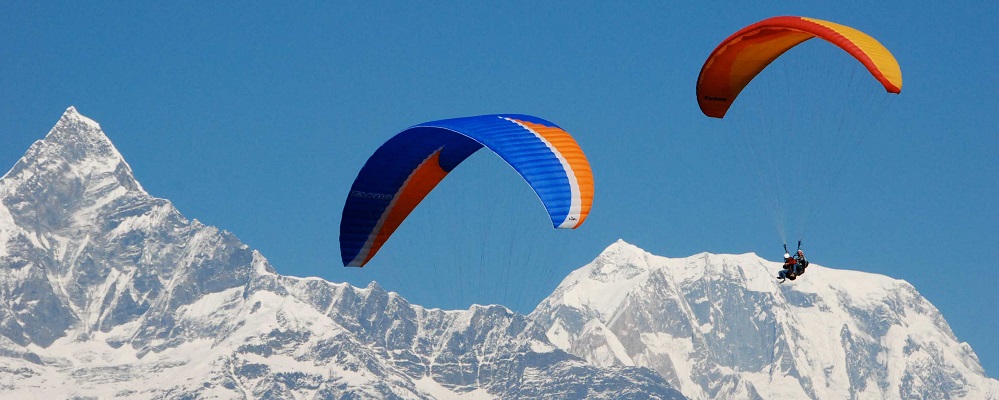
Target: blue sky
(256,117)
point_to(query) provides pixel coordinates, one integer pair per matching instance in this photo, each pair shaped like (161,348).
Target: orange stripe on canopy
(423,179)
(740,57)
(580,175)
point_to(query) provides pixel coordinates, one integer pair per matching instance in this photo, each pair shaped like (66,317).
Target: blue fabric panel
(384,174)
(524,152)
(388,168)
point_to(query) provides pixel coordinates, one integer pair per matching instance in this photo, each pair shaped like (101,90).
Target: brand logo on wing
(369,195)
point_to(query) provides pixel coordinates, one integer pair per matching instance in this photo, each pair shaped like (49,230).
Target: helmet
(800,252)
(787,255)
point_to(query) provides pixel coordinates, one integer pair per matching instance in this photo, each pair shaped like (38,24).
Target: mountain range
(109,292)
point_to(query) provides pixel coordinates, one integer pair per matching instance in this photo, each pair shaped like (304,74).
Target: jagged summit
(82,138)
(73,115)
(75,152)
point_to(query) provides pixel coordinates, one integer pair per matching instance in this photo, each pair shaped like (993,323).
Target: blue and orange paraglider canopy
(409,165)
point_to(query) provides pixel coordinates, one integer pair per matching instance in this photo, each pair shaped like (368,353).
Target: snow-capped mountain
(720,326)
(108,292)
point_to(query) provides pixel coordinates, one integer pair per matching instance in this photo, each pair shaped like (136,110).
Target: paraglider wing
(740,57)
(408,166)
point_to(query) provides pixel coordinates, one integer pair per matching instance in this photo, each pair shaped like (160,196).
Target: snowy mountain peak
(69,209)
(74,155)
(82,138)
(71,114)
(620,247)
(721,326)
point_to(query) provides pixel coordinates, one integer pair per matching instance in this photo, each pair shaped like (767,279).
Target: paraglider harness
(794,265)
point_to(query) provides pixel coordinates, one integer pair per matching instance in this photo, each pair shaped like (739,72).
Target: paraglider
(743,55)
(794,266)
(407,167)
(819,126)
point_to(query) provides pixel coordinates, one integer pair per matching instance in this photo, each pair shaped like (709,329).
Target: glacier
(109,292)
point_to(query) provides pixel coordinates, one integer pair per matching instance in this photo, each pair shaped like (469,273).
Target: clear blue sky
(256,117)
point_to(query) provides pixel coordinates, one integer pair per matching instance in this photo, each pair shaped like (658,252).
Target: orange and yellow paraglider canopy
(740,57)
